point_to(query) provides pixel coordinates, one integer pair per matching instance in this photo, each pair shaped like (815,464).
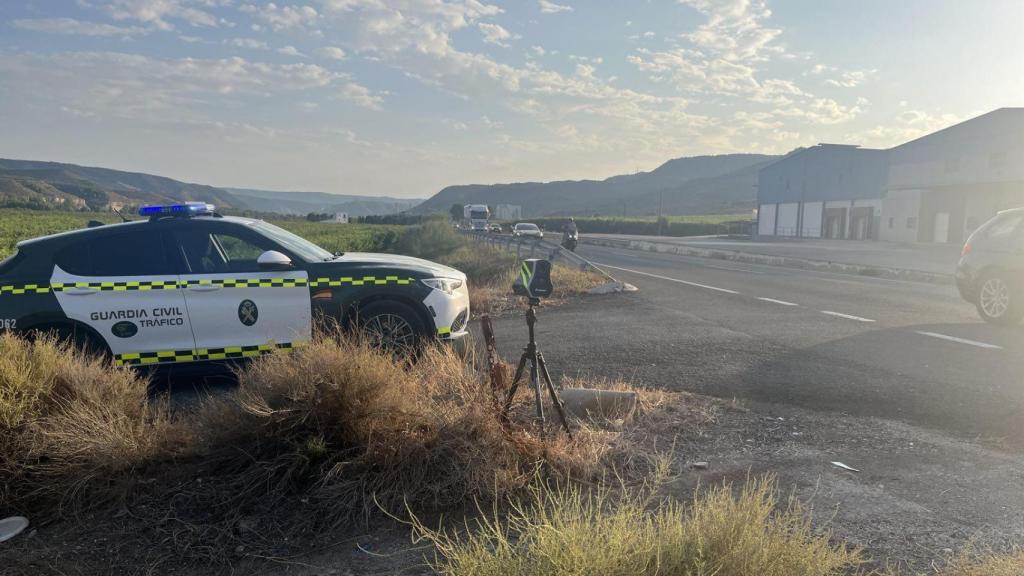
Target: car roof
(83,232)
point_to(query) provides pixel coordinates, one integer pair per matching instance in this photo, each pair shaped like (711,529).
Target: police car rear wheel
(391,326)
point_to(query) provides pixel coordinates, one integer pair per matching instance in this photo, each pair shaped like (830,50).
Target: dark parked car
(991,270)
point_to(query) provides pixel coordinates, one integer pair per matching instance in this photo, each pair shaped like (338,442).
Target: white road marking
(716,288)
(847,316)
(773,300)
(960,340)
(744,270)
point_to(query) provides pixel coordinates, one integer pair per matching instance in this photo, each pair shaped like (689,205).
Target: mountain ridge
(697,184)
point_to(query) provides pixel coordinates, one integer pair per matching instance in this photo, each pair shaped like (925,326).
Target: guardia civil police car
(187,285)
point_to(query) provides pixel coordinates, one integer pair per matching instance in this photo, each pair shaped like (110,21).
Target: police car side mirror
(274,260)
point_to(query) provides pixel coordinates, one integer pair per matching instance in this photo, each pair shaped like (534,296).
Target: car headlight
(446,285)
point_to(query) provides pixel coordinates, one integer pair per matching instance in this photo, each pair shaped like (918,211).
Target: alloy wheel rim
(995,297)
(390,332)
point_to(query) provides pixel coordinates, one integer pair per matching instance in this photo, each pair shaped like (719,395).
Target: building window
(911,222)
(891,220)
(953,165)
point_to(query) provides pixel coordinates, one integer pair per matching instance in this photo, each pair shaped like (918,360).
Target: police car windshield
(303,248)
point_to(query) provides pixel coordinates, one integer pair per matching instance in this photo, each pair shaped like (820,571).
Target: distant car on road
(527,230)
(495,228)
(990,273)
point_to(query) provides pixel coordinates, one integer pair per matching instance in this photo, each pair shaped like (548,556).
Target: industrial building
(944,185)
(825,191)
(937,188)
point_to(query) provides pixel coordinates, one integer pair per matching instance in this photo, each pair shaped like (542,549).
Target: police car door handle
(204,287)
(79,291)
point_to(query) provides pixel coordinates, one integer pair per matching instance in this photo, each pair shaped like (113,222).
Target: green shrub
(431,241)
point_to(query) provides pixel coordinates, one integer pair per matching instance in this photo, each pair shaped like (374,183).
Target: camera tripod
(538,369)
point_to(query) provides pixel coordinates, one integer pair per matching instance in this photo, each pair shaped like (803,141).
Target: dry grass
(991,564)
(352,429)
(569,281)
(564,530)
(71,424)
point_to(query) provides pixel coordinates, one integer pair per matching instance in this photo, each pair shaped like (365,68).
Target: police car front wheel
(391,326)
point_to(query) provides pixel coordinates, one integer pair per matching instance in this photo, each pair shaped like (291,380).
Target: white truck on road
(476,215)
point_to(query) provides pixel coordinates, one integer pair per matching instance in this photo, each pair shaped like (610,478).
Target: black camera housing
(534,279)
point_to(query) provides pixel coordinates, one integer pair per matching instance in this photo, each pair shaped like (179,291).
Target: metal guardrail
(535,248)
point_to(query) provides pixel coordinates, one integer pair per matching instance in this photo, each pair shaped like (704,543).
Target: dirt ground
(919,497)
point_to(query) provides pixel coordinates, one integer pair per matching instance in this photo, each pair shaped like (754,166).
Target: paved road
(863,346)
(931,258)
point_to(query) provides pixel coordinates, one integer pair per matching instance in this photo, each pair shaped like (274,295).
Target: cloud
(733,29)
(495,34)
(160,13)
(284,17)
(821,111)
(290,51)
(70,26)
(332,52)
(907,124)
(248,43)
(850,79)
(361,96)
(547,7)
(145,89)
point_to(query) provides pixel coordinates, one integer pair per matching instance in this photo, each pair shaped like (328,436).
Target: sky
(404,97)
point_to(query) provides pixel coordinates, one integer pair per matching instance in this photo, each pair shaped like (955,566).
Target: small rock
(700,465)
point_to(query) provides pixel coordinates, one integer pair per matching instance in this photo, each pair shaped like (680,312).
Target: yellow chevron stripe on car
(145,285)
(199,354)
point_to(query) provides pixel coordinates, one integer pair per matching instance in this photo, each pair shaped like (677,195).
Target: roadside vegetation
(21,224)
(316,443)
(490,271)
(697,225)
(569,530)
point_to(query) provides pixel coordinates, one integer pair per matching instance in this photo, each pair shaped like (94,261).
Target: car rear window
(1004,226)
(139,253)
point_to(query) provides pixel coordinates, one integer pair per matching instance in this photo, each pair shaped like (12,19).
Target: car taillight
(966,250)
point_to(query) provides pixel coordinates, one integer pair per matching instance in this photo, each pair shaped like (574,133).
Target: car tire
(392,326)
(997,300)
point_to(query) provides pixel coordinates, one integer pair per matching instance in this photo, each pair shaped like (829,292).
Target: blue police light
(186,209)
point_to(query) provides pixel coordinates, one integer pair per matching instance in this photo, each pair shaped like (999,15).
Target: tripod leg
(515,384)
(535,380)
(554,394)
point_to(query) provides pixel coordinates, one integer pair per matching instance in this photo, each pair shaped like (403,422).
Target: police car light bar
(186,209)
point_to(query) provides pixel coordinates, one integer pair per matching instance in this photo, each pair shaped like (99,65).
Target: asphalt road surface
(858,345)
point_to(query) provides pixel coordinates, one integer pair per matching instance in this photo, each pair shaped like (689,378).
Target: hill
(695,185)
(320,202)
(53,184)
